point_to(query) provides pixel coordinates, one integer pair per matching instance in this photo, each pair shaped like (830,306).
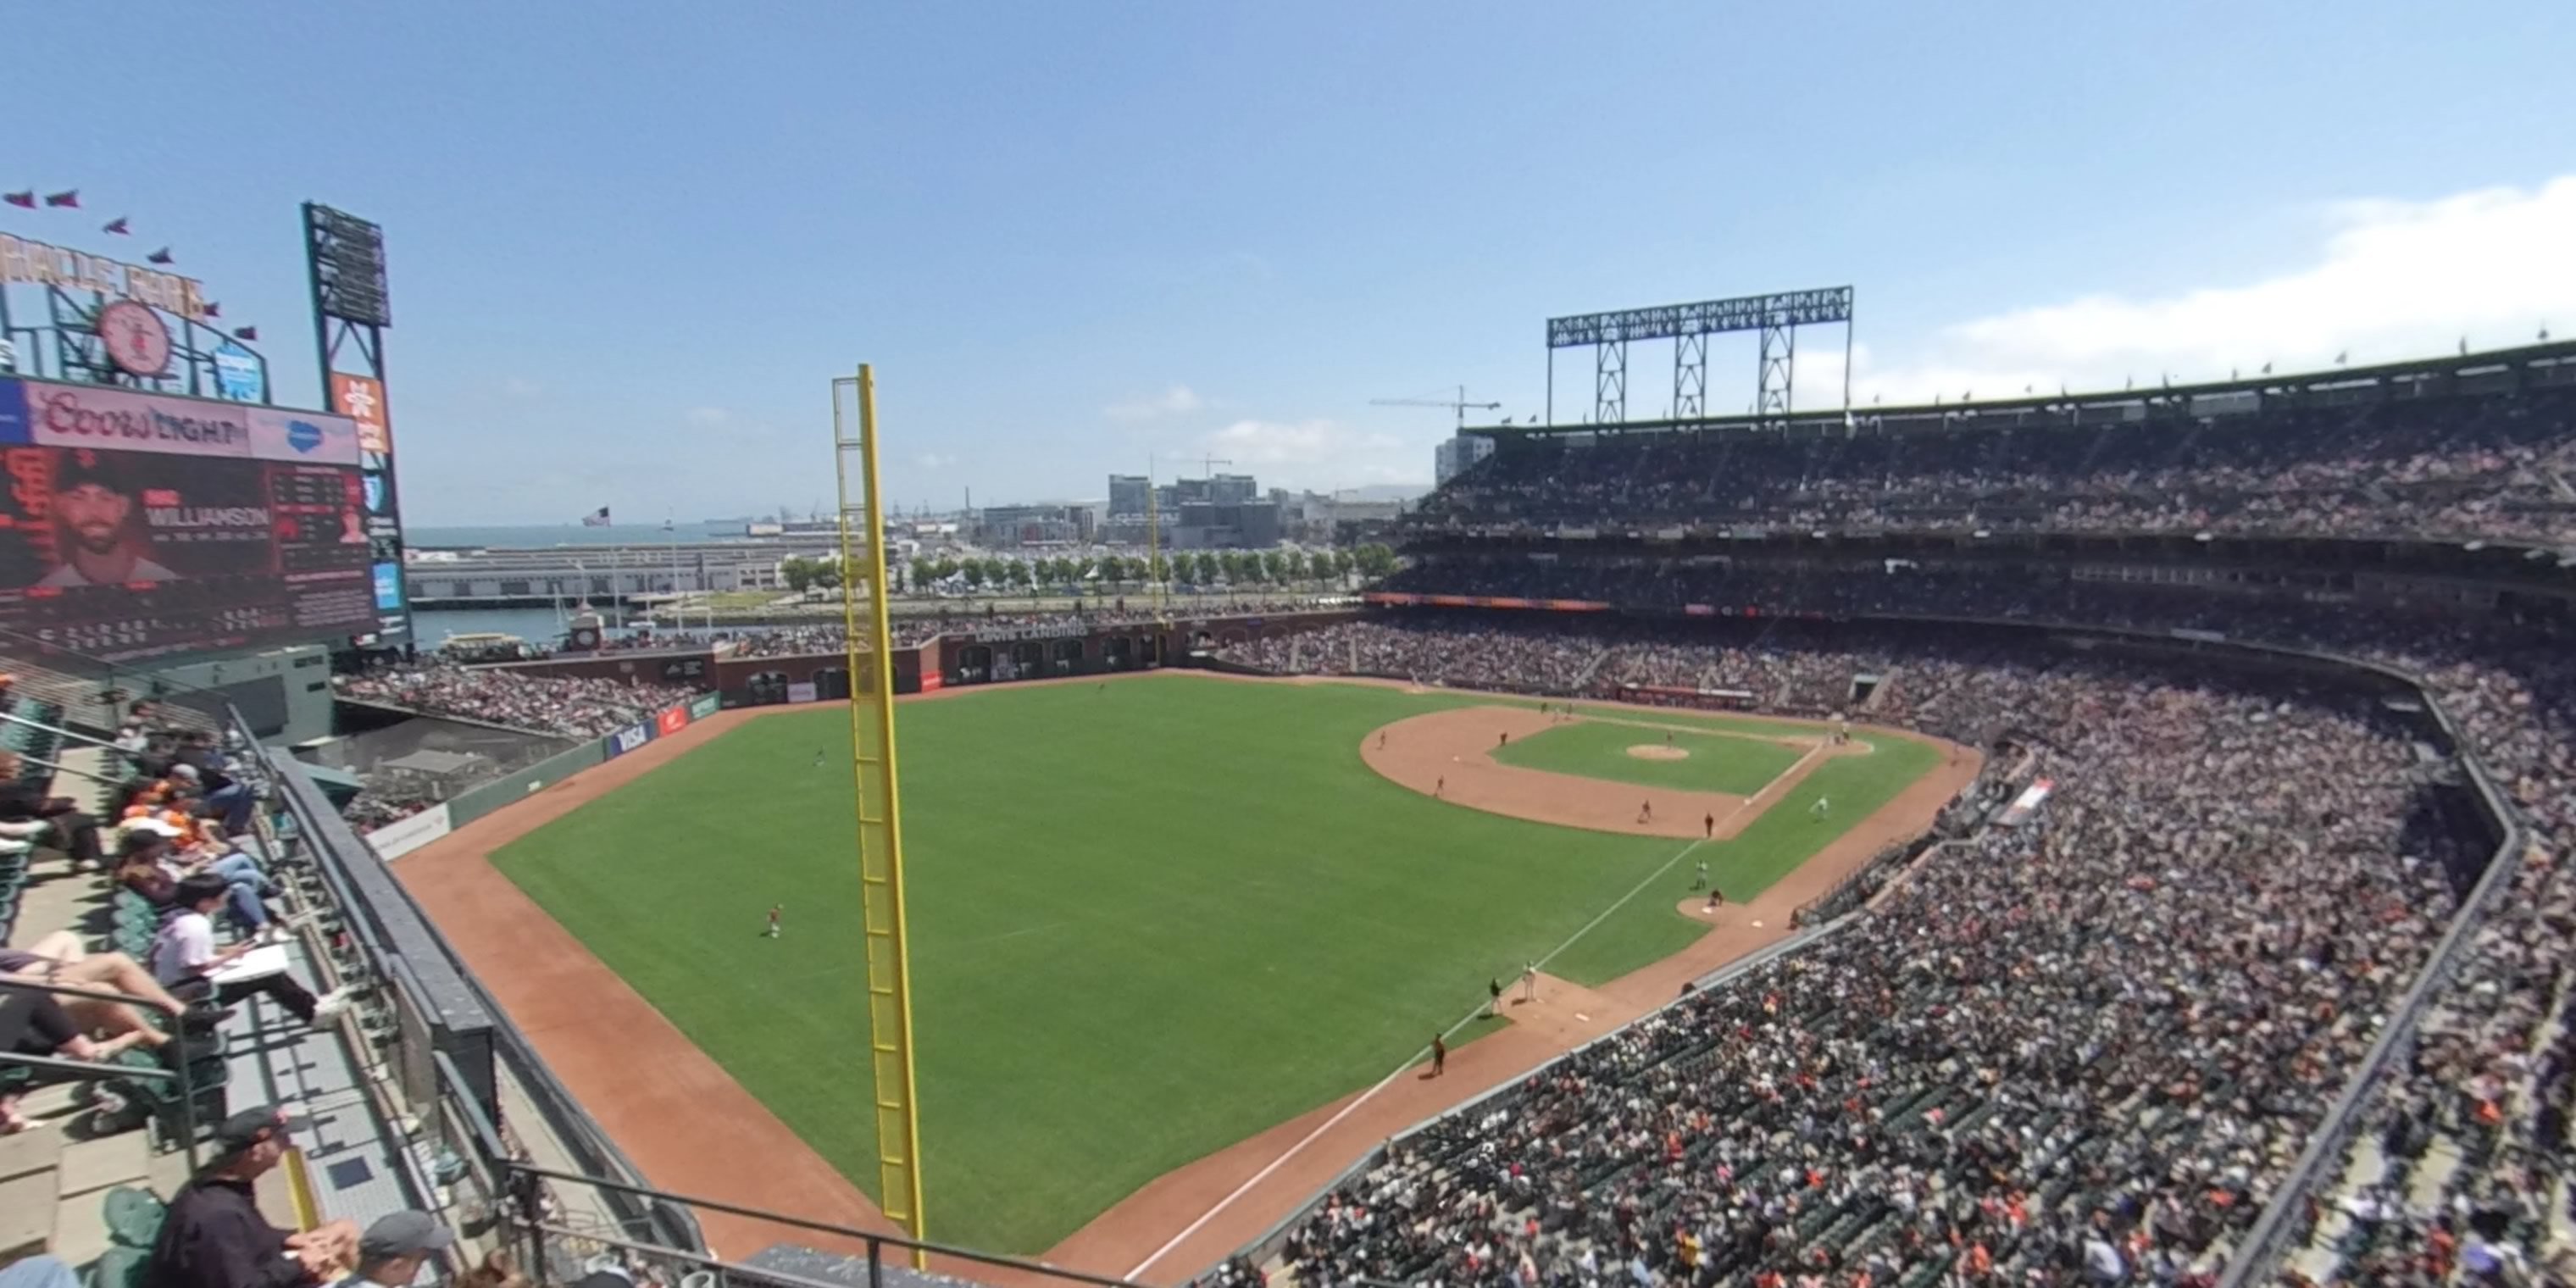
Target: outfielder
(776,910)
(1822,809)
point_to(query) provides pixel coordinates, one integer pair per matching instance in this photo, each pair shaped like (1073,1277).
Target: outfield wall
(1004,654)
(402,836)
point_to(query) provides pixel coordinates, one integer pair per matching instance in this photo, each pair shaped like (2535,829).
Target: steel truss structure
(1776,316)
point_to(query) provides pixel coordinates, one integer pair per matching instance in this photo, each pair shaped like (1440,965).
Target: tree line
(1106,572)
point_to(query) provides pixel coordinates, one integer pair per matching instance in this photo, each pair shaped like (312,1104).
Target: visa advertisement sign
(630,738)
(13,412)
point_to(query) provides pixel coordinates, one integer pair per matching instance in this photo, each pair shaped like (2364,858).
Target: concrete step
(90,1168)
(27,1162)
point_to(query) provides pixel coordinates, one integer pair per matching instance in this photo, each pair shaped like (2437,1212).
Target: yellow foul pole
(879,801)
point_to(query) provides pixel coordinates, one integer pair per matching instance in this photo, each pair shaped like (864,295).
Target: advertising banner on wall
(803,691)
(402,836)
(671,721)
(704,705)
(185,541)
(362,400)
(630,738)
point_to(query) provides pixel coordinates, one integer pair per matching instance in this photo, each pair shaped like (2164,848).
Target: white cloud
(2389,280)
(934,461)
(1317,453)
(1179,400)
(709,417)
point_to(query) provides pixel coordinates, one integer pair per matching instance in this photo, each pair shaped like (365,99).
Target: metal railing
(184,1074)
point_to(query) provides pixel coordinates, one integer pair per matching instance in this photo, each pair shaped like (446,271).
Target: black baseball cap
(237,1134)
(408,1233)
(81,465)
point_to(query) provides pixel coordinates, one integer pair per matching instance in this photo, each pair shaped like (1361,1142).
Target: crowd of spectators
(2074,1052)
(2498,466)
(1541,657)
(2461,1162)
(559,706)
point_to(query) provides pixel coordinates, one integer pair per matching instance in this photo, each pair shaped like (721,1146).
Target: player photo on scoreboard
(85,519)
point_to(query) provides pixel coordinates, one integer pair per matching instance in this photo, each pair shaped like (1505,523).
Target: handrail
(60,768)
(185,1073)
(802,1223)
(68,733)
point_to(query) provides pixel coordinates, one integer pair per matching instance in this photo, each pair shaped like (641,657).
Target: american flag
(598,520)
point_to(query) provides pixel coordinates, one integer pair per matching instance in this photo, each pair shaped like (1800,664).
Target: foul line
(1400,1070)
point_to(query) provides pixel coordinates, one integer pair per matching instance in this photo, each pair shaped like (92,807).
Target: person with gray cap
(392,1251)
(214,1235)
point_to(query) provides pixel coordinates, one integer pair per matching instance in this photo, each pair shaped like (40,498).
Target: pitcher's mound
(1657,751)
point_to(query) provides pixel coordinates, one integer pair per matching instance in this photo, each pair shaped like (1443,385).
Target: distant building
(1458,455)
(1004,527)
(1127,495)
(1233,489)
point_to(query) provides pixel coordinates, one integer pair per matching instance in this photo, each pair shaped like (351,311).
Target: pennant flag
(116,226)
(214,310)
(246,333)
(22,200)
(71,199)
(161,256)
(599,520)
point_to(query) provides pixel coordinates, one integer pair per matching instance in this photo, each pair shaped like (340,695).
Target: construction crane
(1459,404)
(1208,464)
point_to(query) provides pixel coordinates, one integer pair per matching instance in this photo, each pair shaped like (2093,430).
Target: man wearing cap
(184,957)
(92,508)
(394,1249)
(214,1235)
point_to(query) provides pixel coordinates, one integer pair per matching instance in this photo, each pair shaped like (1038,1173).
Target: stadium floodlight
(1776,317)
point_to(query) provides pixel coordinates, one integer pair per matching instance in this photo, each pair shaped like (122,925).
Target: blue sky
(632,242)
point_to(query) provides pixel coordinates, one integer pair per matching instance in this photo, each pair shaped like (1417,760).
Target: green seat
(155,1101)
(117,1268)
(133,1217)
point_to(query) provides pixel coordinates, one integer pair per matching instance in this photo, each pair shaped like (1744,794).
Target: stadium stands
(2493,466)
(2345,1058)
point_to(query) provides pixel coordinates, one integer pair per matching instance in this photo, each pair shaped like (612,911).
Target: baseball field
(1154,918)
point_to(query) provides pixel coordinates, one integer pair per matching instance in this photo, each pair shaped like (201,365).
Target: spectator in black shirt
(29,815)
(215,1237)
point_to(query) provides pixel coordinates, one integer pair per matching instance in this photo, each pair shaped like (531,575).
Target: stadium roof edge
(2548,354)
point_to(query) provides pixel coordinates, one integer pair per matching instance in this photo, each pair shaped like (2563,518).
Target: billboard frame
(344,264)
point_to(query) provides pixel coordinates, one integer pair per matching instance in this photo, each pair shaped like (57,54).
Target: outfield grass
(1148,922)
(1718,762)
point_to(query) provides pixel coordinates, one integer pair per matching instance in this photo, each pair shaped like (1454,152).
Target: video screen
(132,554)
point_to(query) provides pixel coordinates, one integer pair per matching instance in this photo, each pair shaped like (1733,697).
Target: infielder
(1822,809)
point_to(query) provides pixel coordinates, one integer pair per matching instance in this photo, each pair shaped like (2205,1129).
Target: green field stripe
(1147,922)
